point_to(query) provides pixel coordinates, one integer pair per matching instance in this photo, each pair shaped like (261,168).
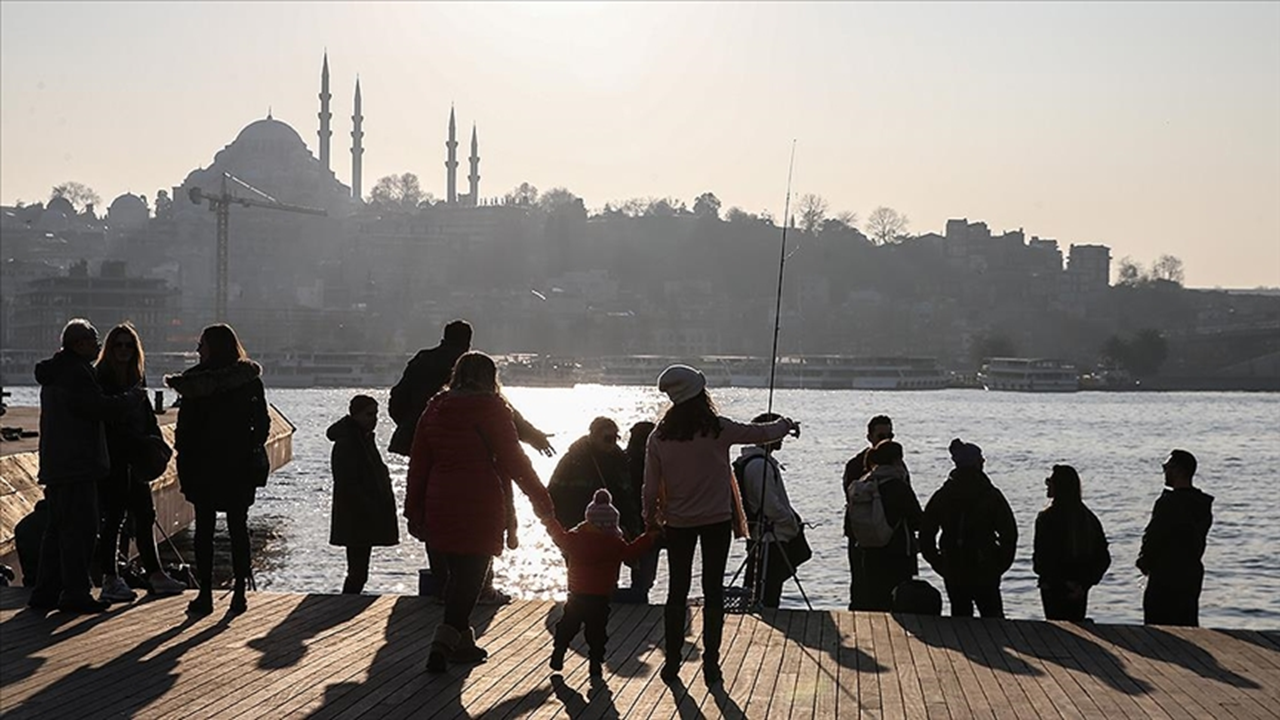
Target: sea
(1116,440)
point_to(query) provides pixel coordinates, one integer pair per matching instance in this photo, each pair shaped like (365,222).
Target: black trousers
(67,548)
(462,589)
(852,551)
(237,527)
(715,539)
(439,566)
(1059,605)
(1163,603)
(357,568)
(776,571)
(133,499)
(964,593)
(591,611)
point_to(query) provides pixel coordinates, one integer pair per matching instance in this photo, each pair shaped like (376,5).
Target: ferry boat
(532,370)
(1030,375)
(305,369)
(821,372)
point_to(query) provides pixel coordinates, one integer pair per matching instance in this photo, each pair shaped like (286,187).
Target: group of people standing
(673,486)
(100,448)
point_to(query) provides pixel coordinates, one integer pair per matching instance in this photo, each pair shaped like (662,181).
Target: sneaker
(162,584)
(114,589)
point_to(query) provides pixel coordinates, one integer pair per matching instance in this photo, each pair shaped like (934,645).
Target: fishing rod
(782,262)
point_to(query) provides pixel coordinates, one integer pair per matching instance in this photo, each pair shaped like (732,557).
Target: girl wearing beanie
(593,551)
(689,491)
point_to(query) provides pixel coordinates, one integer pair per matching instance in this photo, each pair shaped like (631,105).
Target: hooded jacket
(221,421)
(594,556)
(364,506)
(1173,543)
(464,450)
(73,407)
(979,533)
(581,471)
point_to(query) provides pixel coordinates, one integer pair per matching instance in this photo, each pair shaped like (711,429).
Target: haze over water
(1116,440)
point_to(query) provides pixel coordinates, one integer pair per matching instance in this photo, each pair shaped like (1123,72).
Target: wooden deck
(332,656)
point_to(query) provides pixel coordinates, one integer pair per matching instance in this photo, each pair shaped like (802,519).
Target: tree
(523,194)
(1168,267)
(397,192)
(886,225)
(1129,273)
(707,205)
(80,196)
(557,198)
(164,206)
(813,210)
(848,218)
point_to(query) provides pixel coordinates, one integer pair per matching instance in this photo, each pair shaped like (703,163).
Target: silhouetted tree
(523,194)
(1168,267)
(706,205)
(886,225)
(1129,273)
(81,196)
(164,206)
(848,217)
(558,197)
(397,192)
(812,210)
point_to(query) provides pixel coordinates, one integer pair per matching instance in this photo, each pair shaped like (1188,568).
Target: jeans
(681,542)
(965,593)
(462,589)
(137,502)
(67,547)
(357,568)
(852,551)
(238,527)
(591,611)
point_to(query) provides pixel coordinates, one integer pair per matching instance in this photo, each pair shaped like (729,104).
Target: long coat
(222,420)
(464,450)
(364,506)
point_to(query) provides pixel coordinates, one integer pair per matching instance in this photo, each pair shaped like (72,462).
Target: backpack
(867,521)
(916,597)
(739,475)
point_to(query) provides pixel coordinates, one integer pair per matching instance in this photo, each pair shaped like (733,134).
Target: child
(594,550)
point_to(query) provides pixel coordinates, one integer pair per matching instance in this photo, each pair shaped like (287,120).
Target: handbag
(798,550)
(151,455)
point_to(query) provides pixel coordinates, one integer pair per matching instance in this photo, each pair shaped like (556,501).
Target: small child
(593,551)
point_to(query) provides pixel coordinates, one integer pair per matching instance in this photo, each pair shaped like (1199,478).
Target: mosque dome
(61,205)
(128,211)
(269,131)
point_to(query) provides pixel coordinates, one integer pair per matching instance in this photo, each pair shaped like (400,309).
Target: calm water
(1116,440)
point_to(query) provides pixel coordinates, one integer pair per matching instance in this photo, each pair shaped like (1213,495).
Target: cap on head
(965,454)
(681,383)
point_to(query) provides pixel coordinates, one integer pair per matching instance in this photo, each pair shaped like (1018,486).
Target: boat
(533,370)
(20,466)
(1029,375)
(820,372)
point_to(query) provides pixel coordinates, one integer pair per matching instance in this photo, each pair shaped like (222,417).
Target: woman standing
(1071,552)
(220,439)
(364,506)
(690,492)
(465,450)
(121,367)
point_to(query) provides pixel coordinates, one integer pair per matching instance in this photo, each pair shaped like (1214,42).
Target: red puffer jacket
(594,556)
(463,448)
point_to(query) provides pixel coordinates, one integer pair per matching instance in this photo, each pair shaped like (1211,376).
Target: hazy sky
(1150,127)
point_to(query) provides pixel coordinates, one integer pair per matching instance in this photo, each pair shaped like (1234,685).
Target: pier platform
(336,656)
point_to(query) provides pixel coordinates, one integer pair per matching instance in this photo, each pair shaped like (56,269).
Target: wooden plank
(641,666)
(910,669)
(870,704)
(827,677)
(848,665)
(804,703)
(891,692)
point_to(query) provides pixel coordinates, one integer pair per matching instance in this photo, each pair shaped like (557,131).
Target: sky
(1149,127)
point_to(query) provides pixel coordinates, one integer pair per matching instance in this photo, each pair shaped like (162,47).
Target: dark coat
(124,437)
(222,420)
(1173,543)
(464,452)
(979,533)
(880,569)
(583,470)
(73,408)
(423,377)
(1070,546)
(364,506)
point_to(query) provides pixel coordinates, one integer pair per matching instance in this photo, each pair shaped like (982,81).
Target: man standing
(879,428)
(979,535)
(1173,546)
(73,458)
(761,477)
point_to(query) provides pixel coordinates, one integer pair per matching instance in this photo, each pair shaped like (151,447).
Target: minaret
(451,165)
(357,146)
(474,177)
(325,115)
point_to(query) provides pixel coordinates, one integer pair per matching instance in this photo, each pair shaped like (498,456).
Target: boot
(467,652)
(442,646)
(239,603)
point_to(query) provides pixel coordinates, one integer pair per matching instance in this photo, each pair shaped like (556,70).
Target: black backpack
(739,472)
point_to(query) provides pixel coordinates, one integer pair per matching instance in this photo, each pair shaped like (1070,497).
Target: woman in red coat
(465,450)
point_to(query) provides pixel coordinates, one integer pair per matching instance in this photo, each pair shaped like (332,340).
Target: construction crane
(221,204)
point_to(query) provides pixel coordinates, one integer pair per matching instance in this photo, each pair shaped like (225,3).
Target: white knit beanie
(602,513)
(681,382)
